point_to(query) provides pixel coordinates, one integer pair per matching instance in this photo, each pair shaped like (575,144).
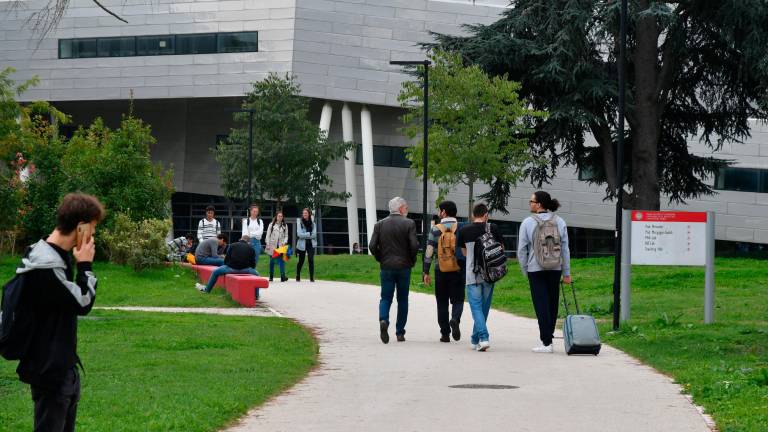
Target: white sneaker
(483,346)
(200,287)
(473,346)
(543,349)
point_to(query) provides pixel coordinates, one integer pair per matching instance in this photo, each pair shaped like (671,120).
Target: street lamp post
(619,164)
(425,158)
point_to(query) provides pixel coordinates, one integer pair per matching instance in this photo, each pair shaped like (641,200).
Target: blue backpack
(15,323)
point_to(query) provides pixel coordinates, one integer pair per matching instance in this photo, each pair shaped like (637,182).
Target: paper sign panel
(669,238)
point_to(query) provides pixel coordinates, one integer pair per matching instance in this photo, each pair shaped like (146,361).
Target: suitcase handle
(575,301)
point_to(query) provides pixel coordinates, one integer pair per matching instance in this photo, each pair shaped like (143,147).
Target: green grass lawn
(172,372)
(168,372)
(724,366)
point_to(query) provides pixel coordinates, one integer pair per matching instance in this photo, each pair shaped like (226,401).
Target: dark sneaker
(383,326)
(455,331)
(401,338)
(445,338)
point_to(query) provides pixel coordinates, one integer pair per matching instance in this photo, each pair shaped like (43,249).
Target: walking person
(208,227)
(277,236)
(479,292)
(393,243)
(52,297)
(306,231)
(240,259)
(449,278)
(542,251)
(253,228)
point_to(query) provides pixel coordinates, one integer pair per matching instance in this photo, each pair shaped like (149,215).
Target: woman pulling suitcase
(542,251)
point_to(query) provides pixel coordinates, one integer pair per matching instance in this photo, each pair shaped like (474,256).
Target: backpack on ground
(446,249)
(580,334)
(546,243)
(15,324)
(490,261)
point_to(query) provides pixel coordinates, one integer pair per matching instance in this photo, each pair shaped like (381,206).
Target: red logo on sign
(669,216)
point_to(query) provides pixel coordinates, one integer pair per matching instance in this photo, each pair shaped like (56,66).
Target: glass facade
(385,156)
(129,46)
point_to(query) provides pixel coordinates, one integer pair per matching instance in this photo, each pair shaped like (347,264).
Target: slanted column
(366,129)
(348,135)
(325,126)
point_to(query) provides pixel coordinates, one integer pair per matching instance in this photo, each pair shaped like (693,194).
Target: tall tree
(478,126)
(290,152)
(693,68)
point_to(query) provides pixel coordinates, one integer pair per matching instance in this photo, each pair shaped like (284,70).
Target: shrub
(138,244)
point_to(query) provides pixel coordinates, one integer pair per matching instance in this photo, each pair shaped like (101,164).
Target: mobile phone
(83,234)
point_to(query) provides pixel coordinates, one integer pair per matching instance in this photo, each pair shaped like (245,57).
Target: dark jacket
(54,302)
(240,255)
(393,242)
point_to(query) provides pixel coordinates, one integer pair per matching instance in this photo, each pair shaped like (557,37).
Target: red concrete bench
(241,287)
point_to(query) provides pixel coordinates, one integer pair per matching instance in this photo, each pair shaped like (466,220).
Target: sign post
(672,238)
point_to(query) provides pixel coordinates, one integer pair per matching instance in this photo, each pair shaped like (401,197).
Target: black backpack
(490,261)
(15,323)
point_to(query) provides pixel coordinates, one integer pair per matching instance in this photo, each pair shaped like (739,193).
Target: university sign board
(669,238)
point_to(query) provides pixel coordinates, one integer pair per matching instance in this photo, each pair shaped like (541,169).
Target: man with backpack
(449,279)
(482,244)
(41,328)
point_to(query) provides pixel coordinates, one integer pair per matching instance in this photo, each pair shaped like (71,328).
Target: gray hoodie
(525,255)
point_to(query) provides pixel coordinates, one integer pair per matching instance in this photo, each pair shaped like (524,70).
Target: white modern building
(188,63)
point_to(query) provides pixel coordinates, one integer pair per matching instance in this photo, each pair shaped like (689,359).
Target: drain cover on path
(484,386)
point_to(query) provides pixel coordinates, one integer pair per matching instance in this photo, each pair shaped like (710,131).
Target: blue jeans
(392,280)
(280,264)
(227,269)
(214,261)
(479,296)
(256,245)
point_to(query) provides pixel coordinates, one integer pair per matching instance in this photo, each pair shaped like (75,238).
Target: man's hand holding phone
(85,249)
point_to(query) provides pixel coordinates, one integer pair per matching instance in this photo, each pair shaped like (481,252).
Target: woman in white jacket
(253,227)
(277,235)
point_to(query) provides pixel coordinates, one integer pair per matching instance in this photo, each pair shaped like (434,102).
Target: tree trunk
(645,138)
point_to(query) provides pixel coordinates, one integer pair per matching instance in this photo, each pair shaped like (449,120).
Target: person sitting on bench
(240,259)
(207,252)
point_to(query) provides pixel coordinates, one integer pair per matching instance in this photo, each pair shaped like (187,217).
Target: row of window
(742,179)
(129,46)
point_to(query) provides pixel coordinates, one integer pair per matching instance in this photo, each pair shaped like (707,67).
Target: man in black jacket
(240,259)
(53,298)
(394,245)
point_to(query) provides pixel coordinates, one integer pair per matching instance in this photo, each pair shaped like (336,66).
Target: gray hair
(395,204)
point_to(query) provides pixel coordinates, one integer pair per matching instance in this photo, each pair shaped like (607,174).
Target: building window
(742,179)
(238,42)
(385,156)
(155,45)
(129,46)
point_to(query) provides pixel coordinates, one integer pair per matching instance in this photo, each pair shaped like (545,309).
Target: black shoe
(270,278)
(445,338)
(383,326)
(455,331)
(298,279)
(283,278)
(401,338)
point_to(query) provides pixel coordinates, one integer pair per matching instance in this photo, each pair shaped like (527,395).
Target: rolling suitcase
(579,331)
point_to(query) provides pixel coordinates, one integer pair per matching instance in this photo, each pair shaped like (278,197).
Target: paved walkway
(364,385)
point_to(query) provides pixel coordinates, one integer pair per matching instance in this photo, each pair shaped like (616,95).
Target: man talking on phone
(53,296)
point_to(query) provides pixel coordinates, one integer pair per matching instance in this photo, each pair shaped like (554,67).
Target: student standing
(394,245)
(306,231)
(53,297)
(277,235)
(253,228)
(479,292)
(449,278)
(544,277)
(208,227)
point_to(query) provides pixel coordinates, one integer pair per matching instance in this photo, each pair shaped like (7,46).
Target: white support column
(325,126)
(366,129)
(325,117)
(347,131)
